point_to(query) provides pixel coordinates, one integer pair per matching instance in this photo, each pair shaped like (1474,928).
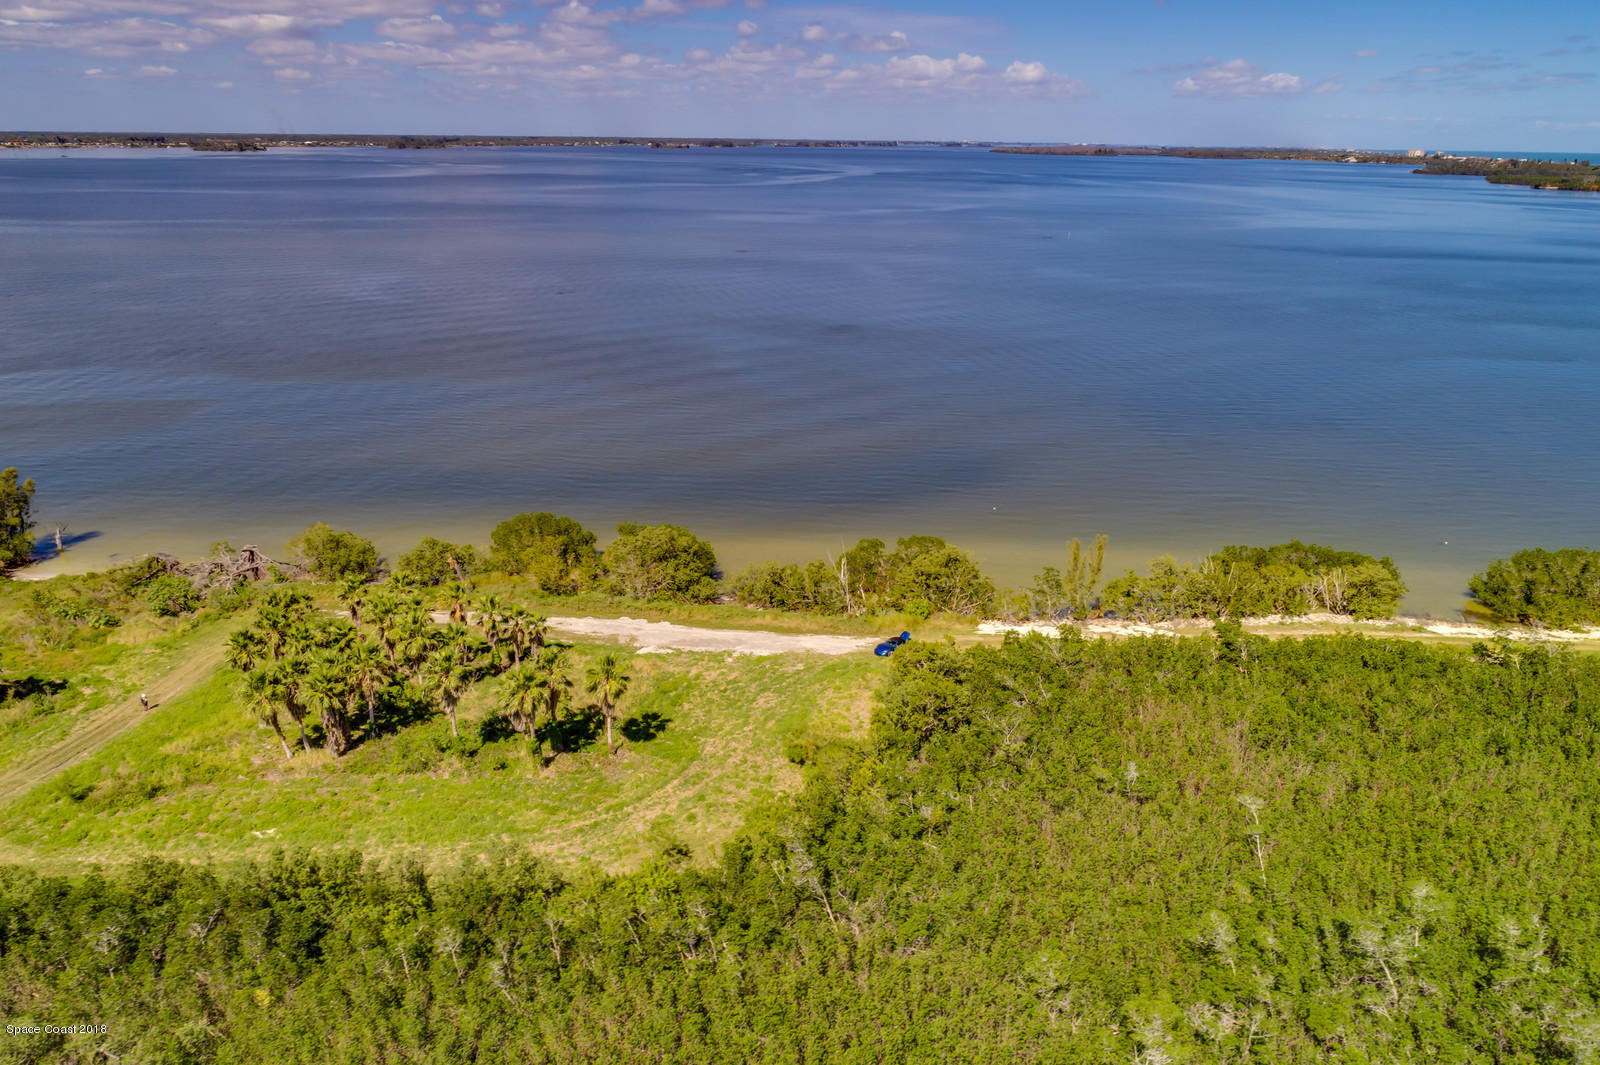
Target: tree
(434,561)
(660,562)
(492,620)
(333,554)
(287,680)
(454,596)
(445,679)
(944,577)
(329,690)
(246,650)
(607,681)
(263,693)
(1557,588)
(16,520)
(368,668)
(1071,592)
(353,594)
(556,552)
(553,682)
(524,629)
(522,688)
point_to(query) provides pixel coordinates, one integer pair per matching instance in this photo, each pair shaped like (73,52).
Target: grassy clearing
(72,683)
(197,780)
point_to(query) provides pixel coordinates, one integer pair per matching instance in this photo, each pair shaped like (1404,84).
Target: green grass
(198,781)
(94,671)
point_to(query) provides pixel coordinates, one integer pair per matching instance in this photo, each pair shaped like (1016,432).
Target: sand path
(109,723)
(659,637)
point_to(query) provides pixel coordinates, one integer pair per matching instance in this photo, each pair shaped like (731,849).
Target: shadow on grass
(574,733)
(23,687)
(645,727)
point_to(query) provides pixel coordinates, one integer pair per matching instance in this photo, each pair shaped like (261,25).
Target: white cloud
(1237,79)
(292,74)
(746,28)
(1026,73)
(659,9)
(156,72)
(893,41)
(1329,85)
(816,31)
(756,5)
(492,10)
(264,25)
(29,13)
(416,30)
(114,38)
(98,74)
(223,85)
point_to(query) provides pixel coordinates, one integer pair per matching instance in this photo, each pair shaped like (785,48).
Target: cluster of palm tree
(355,668)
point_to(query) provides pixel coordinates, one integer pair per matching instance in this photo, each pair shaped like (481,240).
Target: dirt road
(109,723)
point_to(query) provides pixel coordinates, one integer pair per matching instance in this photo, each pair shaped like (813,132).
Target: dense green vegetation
(334,554)
(1540,173)
(1336,849)
(1556,588)
(922,575)
(16,519)
(1292,578)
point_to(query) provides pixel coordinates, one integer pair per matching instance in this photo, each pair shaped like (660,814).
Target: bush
(1558,588)
(335,554)
(1291,578)
(660,562)
(812,588)
(941,578)
(170,595)
(429,562)
(556,552)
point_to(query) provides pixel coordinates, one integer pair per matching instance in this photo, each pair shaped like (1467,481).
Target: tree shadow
(23,687)
(496,727)
(572,733)
(44,548)
(645,727)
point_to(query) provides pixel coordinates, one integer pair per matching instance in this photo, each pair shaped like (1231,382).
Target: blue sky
(1397,74)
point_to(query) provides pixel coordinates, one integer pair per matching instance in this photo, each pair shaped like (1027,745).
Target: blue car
(886,648)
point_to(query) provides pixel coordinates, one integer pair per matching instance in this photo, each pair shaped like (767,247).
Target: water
(786,349)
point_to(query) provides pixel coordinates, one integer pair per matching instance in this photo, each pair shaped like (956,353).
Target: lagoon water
(786,349)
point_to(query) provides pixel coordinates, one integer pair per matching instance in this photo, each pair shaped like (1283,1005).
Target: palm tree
(445,679)
(608,683)
(492,620)
(263,692)
(553,682)
(369,672)
(353,594)
(331,693)
(383,611)
(417,636)
(246,650)
(455,598)
(522,687)
(287,675)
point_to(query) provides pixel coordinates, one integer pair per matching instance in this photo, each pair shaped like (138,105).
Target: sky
(1396,74)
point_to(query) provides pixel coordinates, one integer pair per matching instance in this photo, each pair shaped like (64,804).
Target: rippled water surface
(786,349)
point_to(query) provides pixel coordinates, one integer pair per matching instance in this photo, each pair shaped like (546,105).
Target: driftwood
(227,570)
